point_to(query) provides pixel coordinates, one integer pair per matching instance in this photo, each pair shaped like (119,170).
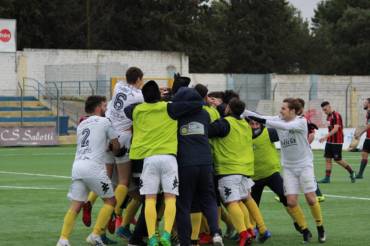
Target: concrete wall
(153,63)
(8,75)
(214,82)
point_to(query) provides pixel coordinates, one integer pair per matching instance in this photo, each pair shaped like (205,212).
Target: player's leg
(337,153)
(291,190)
(187,189)
(150,183)
(257,190)
(308,185)
(77,194)
(276,184)
(364,158)
(205,194)
(229,187)
(101,184)
(328,154)
(170,186)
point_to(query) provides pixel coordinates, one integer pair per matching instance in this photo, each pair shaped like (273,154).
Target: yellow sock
(92,197)
(103,217)
(237,216)
(130,211)
(150,215)
(205,226)
(298,216)
(69,221)
(256,214)
(316,213)
(247,222)
(226,218)
(196,220)
(120,193)
(169,213)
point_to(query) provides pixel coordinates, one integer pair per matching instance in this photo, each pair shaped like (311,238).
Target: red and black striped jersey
(335,119)
(368,123)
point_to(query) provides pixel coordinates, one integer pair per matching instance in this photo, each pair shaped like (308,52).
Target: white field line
(37,154)
(11,187)
(338,196)
(36,174)
(66,177)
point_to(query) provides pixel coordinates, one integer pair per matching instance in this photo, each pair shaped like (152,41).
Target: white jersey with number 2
(93,136)
(124,95)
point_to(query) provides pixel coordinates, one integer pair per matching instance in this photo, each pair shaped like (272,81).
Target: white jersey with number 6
(124,95)
(93,135)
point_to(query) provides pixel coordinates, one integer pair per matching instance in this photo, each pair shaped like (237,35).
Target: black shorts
(366,146)
(333,151)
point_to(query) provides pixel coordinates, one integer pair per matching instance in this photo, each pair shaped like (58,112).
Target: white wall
(214,82)
(8,75)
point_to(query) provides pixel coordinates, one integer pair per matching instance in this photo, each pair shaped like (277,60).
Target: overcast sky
(306,7)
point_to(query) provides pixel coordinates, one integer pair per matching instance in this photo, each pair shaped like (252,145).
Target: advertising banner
(8,37)
(28,136)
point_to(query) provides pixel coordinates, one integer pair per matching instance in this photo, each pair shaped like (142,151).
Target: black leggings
(274,182)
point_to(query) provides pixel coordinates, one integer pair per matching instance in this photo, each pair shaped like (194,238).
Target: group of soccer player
(192,158)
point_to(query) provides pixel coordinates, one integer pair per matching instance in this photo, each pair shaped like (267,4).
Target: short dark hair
(151,92)
(324,103)
(217,94)
(201,89)
(228,95)
(237,107)
(302,103)
(293,104)
(133,74)
(92,102)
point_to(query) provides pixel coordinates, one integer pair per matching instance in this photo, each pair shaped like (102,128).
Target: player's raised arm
(248,113)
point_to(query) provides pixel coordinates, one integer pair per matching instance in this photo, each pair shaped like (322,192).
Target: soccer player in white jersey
(296,159)
(94,135)
(125,94)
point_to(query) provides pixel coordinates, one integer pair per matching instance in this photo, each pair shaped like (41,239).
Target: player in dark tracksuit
(195,166)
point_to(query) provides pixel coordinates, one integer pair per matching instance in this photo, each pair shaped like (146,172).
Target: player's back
(92,139)
(124,95)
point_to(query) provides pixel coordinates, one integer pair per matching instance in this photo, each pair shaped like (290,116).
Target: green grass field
(33,201)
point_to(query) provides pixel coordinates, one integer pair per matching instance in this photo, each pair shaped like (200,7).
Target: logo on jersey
(288,139)
(141,183)
(227,192)
(175,183)
(192,128)
(104,187)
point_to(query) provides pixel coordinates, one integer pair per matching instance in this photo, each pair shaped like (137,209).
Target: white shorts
(234,188)
(299,179)
(90,180)
(159,171)
(124,139)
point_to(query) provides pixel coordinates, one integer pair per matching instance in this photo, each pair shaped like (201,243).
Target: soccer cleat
(107,240)
(63,242)
(118,221)
(252,233)
(262,238)
(153,241)
(307,235)
(297,227)
(325,180)
(112,224)
(165,239)
(86,213)
(217,240)
(245,238)
(124,232)
(359,176)
(352,176)
(321,234)
(94,240)
(205,238)
(320,198)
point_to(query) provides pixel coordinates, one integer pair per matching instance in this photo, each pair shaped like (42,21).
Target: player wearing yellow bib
(233,160)
(155,141)
(267,171)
